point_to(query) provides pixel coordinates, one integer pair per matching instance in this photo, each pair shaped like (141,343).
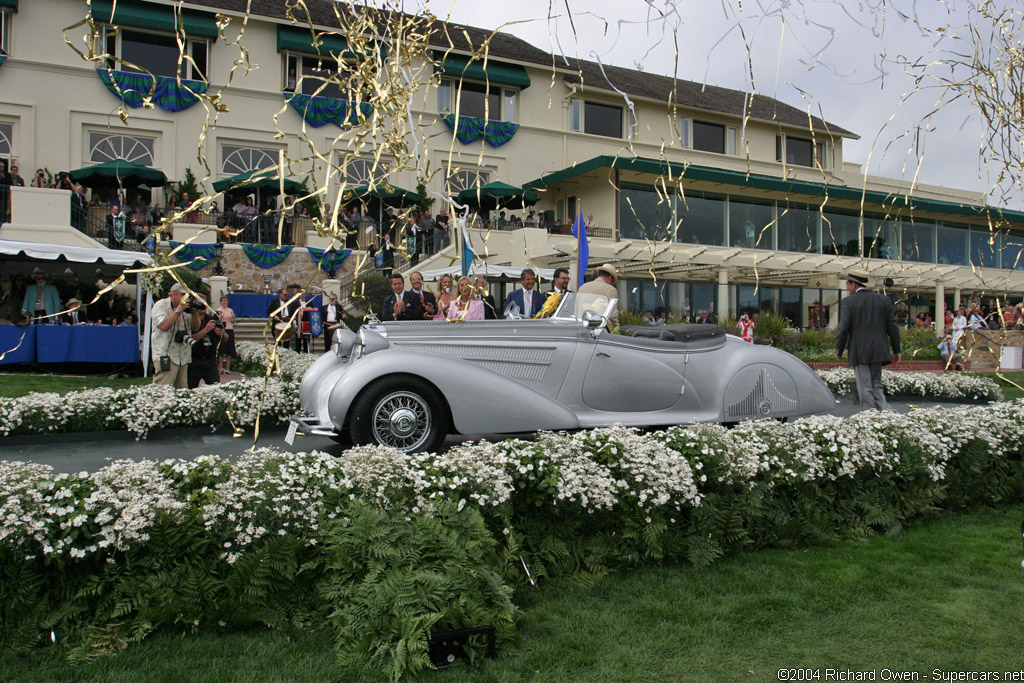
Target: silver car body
(564,372)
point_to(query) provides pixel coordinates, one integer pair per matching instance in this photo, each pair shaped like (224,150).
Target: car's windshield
(574,304)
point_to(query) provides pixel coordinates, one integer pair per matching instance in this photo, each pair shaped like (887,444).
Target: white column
(940,312)
(956,300)
(218,288)
(723,311)
(331,287)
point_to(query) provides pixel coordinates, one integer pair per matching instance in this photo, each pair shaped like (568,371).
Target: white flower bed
(292,365)
(269,492)
(946,385)
(143,408)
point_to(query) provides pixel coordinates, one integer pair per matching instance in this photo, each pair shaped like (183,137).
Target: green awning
(300,39)
(11,4)
(138,14)
(496,72)
(770,184)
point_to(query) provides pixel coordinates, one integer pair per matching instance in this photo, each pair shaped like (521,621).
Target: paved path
(91,452)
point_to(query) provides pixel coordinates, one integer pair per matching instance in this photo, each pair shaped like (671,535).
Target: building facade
(704,198)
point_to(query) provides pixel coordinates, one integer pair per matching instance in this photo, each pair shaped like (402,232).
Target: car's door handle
(603,354)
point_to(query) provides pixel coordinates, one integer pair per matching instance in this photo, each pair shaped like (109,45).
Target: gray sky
(837,59)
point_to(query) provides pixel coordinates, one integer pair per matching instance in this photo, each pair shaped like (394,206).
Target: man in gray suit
(868,328)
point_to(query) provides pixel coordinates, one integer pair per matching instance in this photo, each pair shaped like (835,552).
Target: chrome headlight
(369,340)
(344,342)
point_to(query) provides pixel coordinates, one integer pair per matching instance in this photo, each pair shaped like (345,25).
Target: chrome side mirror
(593,320)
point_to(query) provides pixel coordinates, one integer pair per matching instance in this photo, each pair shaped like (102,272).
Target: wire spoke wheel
(402,420)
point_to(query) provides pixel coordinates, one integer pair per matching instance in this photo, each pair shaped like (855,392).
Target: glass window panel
(752,224)
(508,106)
(730,141)
(316,75)
(918,241)
(985,247)
(602,119)
(479,100)
(798,228)
(6,139)
(686,132)
(799,152)
(576,115)
(200,54)
(701,220)
(789,305)
(444,97)
(952,245)
(840,233)
(5,31)
(677,297)
(156,53)
(1013,252)
(709,137)
(881,237)
(749,299)
(704,297)
(644,214)
(645,295)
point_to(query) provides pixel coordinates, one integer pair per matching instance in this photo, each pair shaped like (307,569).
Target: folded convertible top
(683,332)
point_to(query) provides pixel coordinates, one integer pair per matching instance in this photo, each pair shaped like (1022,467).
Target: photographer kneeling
(173,337)
(208,331)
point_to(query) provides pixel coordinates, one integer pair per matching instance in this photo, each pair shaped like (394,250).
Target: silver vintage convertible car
(408,384)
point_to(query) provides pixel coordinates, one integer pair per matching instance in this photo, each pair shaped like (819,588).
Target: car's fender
(480,401)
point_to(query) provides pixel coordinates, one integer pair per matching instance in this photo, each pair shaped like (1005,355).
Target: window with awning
(501,73)
(137,14)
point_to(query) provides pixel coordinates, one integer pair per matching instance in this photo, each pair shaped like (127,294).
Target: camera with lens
(196,305)
(182,337)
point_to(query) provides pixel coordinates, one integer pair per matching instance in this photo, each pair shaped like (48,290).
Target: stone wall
(298,268)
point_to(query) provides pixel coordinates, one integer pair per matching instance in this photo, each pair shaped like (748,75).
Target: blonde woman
(227,344)
(445,295)
(466,306)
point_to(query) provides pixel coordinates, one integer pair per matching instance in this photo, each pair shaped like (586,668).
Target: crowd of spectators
(37,300)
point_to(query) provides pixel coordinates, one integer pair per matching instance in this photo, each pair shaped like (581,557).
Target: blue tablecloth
(71,344)
(256,305)
(11,337)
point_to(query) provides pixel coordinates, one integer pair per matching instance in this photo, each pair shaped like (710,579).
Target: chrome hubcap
(401,420)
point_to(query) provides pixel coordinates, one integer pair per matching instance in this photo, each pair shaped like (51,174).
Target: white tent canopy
(56,252)
(490,271)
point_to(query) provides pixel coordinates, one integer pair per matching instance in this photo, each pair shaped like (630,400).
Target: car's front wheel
(401,412)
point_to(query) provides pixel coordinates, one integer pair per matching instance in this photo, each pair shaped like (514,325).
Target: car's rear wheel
(401,412)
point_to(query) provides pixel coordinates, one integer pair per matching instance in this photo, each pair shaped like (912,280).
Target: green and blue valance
(463,66)
(167,93)
(197,256)
(9,4)
(326,261)
(319,111)
(139,14)
(470,129)
(266,257)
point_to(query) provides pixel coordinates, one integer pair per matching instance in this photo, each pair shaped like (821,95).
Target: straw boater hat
(861,277)
(36,273)
(73,300)
(609,270)
(176,287)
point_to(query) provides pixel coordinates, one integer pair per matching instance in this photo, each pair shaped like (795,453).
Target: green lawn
(1011,382)
(15,384)
(947,595)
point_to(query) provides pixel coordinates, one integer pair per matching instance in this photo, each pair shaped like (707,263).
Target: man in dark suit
(427,300)
(400,304)
(867,326)
(332,317)
(560,281)
(491,311)
(528,299)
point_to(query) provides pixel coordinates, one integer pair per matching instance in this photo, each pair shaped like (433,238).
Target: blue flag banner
(315,324)
(579,231)
(468,255)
